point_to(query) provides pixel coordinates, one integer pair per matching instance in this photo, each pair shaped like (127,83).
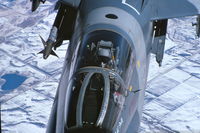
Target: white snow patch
(178,75)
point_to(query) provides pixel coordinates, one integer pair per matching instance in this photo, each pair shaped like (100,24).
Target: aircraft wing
(164,9)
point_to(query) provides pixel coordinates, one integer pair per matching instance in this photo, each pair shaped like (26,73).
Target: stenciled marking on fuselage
(125,3)
(119,126)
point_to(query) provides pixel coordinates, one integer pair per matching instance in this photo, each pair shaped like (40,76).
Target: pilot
(105,54)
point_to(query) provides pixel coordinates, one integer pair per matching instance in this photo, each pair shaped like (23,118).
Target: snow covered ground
(172,96)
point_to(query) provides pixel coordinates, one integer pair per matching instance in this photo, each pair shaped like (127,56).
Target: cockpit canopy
(105,49)
(98,86)
(95,92)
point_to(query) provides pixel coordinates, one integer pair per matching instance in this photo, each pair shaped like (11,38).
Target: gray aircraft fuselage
(105,72)
(116,22)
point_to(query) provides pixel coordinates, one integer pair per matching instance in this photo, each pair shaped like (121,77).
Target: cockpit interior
(98,86)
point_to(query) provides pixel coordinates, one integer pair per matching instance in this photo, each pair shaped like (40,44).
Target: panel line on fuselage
(125,3)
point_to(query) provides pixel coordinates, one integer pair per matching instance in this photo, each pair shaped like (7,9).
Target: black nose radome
(88,130)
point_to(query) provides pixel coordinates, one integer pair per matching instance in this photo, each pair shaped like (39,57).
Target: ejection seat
(95,93)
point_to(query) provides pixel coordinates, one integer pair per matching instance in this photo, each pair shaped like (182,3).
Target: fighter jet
(105,71)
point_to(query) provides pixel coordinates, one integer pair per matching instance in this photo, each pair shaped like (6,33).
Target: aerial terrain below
(28,83)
